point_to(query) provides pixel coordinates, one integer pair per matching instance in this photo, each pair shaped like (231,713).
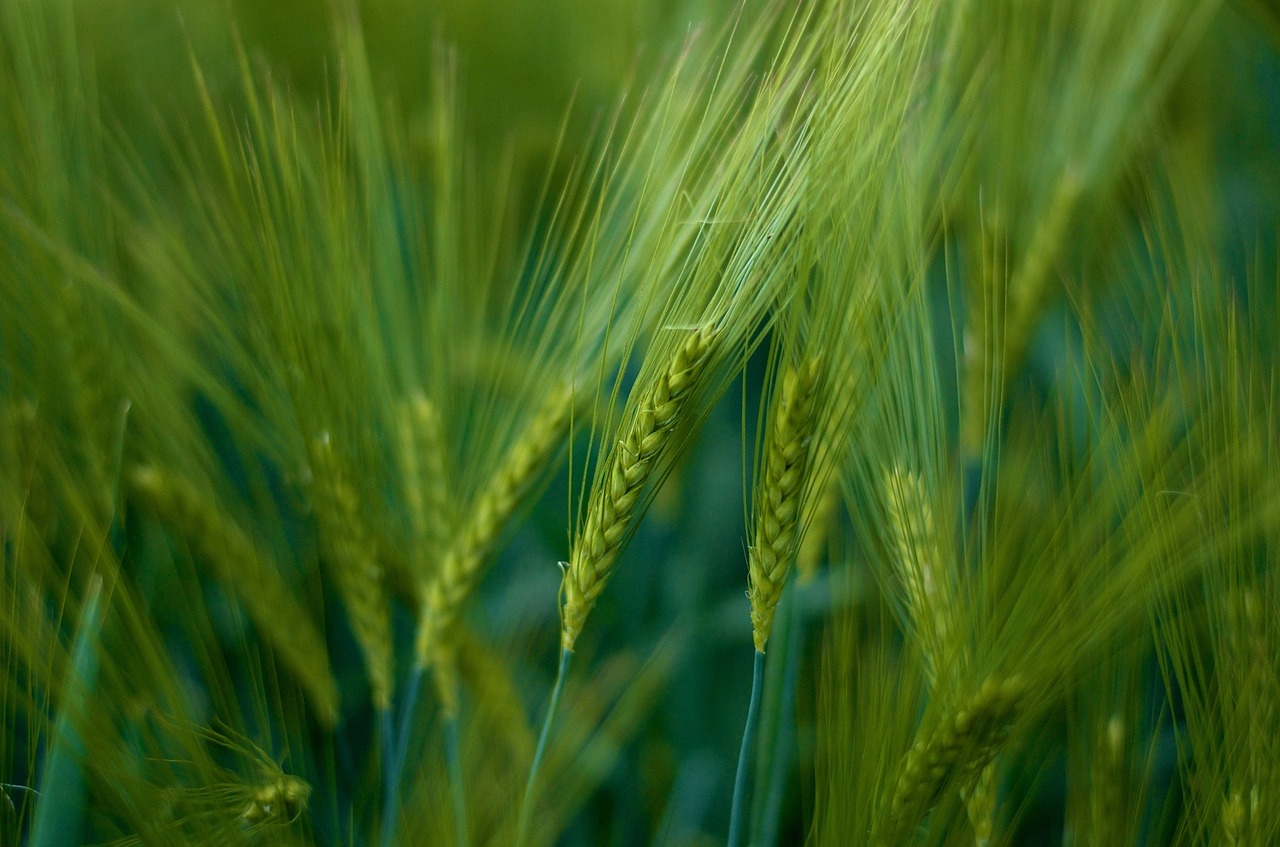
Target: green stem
(407,710)
(530,796)
(453,760)
(394,764)
(390,786)
(737,816)
(774,767)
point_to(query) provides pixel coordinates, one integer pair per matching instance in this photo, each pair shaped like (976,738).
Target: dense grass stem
(738,811)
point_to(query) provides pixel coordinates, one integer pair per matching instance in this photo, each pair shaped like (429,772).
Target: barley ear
(1238,818)
(786,462)
(823,515)
(352,559)
(957,750)
(980,803)
(925,580)
(424,471)
(446,592)
(246,573)
(1246,819)
(610,509)
(281,800)
(1108,781)
(823,509)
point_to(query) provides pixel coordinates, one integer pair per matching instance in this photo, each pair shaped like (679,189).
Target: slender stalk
(738,813)
(395,774)
(453,761)
(530,796)
(407,709)
(771,786)
(390,777)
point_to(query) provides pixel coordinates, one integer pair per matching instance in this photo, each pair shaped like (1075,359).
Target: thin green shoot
(531,786)
(778,718)
(394,779)
(390,774)
(457,785)
(738,811)
(60,815)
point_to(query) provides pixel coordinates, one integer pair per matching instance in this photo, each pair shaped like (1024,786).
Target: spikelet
(1237,815)
(1248,652)
(614,497)
(925,581)
(786,462)
(980,803)
(424,472)
(831,441)
(88,395)
(247,574)
(955,752)
(25,456)
(352,558)
(209,802)
(1108,780)
(1028,286)
(931,604)
(461,567)
(822,518)
(282,799)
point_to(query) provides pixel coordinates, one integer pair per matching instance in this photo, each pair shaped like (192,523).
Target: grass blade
(60,814)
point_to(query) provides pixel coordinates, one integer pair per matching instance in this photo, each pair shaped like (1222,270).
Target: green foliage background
(1032,243)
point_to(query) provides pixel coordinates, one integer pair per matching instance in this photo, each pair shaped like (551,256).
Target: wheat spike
(822,520)
(823,509)
(246,572)
(460,569)
(88,395)
(783,480)
(980,803)
(282,800)
(957,750)
(353,561)
(614,497)
(424,472)
(931,604)
(1235,821)
(925,580)
(1245,645)
(1107,781)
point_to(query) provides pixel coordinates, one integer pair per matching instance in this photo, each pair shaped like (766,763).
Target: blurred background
(538,83)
